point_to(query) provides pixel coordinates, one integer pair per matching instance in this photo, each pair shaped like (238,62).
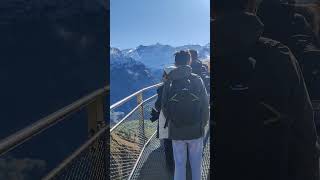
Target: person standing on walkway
(162,132)
(264,126)
(185,105)
(200,69)
(293,30)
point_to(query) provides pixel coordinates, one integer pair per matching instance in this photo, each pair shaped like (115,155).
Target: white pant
(195,149)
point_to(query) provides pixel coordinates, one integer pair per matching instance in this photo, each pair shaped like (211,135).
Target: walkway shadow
(155,168)
(152,164)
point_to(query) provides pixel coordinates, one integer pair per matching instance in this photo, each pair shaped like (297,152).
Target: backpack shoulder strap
(194,78)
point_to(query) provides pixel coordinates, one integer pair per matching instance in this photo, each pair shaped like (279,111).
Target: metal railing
(136,152)
(94,103)
(92,160)
(128,138)
(152,164)
(131,133)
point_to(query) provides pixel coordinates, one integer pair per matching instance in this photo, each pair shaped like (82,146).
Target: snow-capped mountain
(127,75)
(157,56)
(133,69)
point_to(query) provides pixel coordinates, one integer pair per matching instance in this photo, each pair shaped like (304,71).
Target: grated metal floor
(152,165)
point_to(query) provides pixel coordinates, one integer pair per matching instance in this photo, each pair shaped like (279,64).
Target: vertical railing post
(95,115)
(141,120)
(96,122)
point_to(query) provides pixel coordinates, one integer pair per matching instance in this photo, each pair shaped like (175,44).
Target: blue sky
(145,22)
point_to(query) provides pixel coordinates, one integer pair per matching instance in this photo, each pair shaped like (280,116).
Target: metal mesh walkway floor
(152,165)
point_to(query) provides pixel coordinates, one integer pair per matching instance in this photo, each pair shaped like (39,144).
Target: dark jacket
(193,132)
(158,101)
(157,108)
(201,70)
(282,22)
(289,27)
(256,150)
(294,31)
(198,67)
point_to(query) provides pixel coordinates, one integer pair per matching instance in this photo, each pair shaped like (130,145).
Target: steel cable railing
(128,139)
(87,162)
(135,151)
(152,162)
(36,128)
(129,136)
(91,160)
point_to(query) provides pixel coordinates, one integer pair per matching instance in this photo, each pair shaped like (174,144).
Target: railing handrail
(141,101)
(119,103)
(25,134)
(131,112)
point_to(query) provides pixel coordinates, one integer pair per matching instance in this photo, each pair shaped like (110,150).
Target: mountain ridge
(156,56)
(132,70)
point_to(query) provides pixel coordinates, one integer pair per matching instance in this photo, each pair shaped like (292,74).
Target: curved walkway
(152,165)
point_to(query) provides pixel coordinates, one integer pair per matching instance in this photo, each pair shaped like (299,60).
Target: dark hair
(229,5)
(182,58)
(193,53)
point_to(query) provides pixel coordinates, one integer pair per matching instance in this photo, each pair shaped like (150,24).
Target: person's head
(276,28)
(193,54)
(182,58)
(226,6)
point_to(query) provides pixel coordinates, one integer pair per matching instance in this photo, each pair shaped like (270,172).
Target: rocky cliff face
(127,76)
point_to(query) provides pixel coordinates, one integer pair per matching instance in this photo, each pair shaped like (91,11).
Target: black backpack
(182,106)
